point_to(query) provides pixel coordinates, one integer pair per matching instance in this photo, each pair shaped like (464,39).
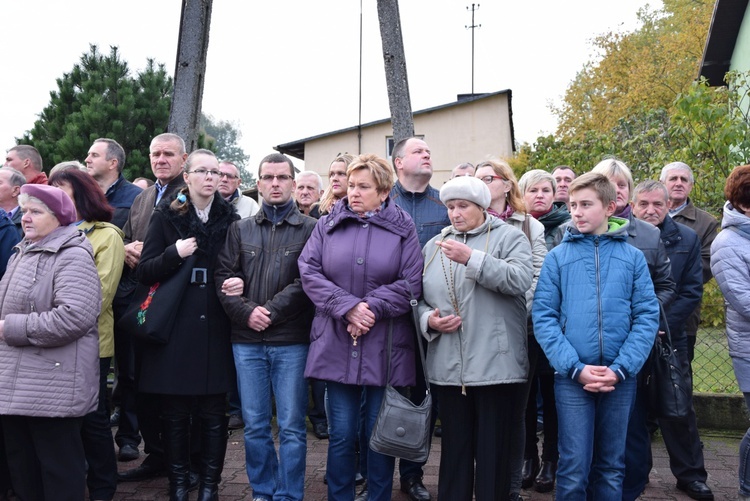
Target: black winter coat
(684,250)
(197,360)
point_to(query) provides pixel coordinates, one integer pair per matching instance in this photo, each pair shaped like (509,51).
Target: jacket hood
(618,229)
(735,220)
(88,226)
(670,232)
(59,238)
(392,218)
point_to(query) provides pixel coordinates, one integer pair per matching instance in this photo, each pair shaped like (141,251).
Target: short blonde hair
(378,168)
(534,177)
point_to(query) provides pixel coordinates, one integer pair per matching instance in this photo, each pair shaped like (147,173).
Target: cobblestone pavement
(720,452)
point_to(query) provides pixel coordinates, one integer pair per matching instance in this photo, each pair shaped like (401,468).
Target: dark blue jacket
(9,237)
(120,197)
(426,210)
(684,250)
(646,238)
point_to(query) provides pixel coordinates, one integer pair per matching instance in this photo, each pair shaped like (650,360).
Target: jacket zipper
(599,300)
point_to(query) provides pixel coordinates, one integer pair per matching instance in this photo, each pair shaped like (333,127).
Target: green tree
(645,69)
(100,98)
(705,127)
(222,137)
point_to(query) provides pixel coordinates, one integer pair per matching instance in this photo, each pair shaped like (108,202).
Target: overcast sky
(284,70)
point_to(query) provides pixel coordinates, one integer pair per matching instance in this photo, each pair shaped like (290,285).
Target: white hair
(309,173)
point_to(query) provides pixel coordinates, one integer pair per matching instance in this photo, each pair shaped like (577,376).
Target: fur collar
(210,236)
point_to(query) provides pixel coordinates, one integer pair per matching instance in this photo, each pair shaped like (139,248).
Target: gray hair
(648,186)
(168,137)
(16,178)
(28,152)
(309,173)
(114,150)
(68,164)
(676,166)
(25,198)
(534,177)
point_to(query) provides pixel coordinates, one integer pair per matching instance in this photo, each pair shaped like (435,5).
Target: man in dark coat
(167,154)
(10,187)
(412,162)
(678,178)
(259,287)
(681,437)
(104,162)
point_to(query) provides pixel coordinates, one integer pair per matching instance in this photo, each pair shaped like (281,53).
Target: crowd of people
(538,296)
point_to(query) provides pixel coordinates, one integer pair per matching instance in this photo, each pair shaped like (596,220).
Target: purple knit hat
(55,199)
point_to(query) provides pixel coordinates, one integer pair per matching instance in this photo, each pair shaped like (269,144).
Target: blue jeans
(745,457)
(263,370)
(592,432)
(344,403)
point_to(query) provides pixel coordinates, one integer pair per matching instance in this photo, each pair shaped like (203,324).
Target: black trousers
(518,437)
(682,439)
(317,413)
(98,444)
(476,438)
(47,461)
(128,432)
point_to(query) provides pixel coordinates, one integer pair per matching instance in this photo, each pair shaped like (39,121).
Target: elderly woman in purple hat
(49,348)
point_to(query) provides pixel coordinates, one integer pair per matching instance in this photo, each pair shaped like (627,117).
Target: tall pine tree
(99,98)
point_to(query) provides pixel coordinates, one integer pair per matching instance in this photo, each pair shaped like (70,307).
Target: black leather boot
(213,450)
(545,481)
(529,471)
(176,437)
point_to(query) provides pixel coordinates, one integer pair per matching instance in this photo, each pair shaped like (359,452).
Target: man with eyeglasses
(271,319)
(229,188)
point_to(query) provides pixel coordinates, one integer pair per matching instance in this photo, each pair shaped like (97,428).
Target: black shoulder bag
(668,387)
(402,429)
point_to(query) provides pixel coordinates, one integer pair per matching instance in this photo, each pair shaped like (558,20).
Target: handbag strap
(663,317)
(415,316)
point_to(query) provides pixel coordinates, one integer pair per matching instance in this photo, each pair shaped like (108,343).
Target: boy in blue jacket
(595,316)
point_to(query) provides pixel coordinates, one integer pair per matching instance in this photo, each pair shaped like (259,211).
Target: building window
(389,144)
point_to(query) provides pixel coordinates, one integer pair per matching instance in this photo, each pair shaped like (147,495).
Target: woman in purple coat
(358,268)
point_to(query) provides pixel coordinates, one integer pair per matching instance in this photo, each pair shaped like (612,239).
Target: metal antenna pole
(473,9)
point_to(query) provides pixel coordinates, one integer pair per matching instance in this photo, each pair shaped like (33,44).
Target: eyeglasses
(227,175)
(205,172)
(281,177)
(489,179)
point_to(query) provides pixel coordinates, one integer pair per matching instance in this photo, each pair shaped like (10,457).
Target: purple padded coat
(348,260)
